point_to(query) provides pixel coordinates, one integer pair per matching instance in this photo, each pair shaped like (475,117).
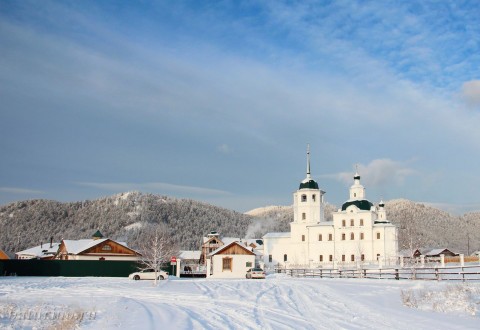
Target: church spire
(308,161)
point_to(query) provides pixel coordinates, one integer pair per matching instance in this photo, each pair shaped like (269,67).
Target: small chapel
(358,234)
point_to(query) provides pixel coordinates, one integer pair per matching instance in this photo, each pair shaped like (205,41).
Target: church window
(361,222)
(330,237)
(352,222)
(270,259)
(378,235)
(343,236)
(343,257)
(343,223)
(330,258)
(321,258)
(319,237)
(285,257)
(303,238)
(314,197)
(352,257)
(363,257)
(362,236)
(378,256)
(354,194)
(352,236)
(304,198)
(304,216)
(227,264)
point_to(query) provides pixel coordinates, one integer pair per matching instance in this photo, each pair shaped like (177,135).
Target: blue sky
(216,101)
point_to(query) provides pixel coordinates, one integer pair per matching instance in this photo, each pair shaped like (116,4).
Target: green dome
(310,184)
(361,204)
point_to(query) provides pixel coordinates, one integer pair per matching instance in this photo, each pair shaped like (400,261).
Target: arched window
(352,222)
(303,238)
(363,257)
(343,236)
(314,197)
(352,257)
(362,236)
(321,258)
(330,258)
(304,198)
(284,257)
(304,216)
(330,237)
(319,237)
(352,236)
(344,223)
(361,222)
(378,235)
(343,257)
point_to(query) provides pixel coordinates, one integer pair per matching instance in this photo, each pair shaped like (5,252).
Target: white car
(148,274)
(255,273)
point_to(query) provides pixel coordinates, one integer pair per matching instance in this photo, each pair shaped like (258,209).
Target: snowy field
(278,302)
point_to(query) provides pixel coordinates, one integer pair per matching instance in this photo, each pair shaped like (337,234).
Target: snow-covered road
(278,302)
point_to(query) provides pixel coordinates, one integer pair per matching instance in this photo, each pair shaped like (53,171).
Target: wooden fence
(456,273)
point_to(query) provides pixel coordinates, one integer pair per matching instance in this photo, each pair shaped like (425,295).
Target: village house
(3,255)
(96,248)
(43,251)
(231,261)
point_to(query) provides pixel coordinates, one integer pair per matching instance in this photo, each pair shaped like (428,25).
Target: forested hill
(128,216)
(125,217)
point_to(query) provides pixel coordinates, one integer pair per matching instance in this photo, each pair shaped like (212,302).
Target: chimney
(51,241)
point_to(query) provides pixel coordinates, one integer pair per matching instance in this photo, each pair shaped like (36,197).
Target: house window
(343,223)
(378,235)
(304,216)
(303,238)
(361,236)
(284,257)
(330,258)
(361,222)
(314,197)
(321,258)
(319,237)
(106,248)
(248,264)
(343,236)
(343,257)
(352,222)
(352,257)
(270,259)
(330,237)
(227,264)
(363,257)
(352,236)
(304,198)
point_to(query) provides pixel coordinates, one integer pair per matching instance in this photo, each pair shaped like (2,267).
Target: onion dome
(361,204)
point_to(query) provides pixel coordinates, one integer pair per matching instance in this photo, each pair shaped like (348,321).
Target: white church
(358,234)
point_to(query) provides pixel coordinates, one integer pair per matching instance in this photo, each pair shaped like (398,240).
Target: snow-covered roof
(77,246)
(190,255)
(273,235)
(40,251)
(231,243)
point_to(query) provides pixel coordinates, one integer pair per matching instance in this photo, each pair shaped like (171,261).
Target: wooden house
(434,253)
(210,243)
(42,251)
(230,261)
(3,255)
(96,248)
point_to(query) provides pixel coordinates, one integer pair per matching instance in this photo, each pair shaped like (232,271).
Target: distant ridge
(129,216)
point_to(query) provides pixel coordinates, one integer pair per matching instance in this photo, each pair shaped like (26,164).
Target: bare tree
(157,249)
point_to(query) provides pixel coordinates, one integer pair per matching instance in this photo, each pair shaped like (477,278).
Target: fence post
(422,260)
(437,274)
(462,260)
(442,260)
(321,276)
(397,276)
(402,262)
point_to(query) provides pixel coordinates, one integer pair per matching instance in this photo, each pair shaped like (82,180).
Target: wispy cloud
(378,173)
(471,93)
(20,191)
(159,187)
